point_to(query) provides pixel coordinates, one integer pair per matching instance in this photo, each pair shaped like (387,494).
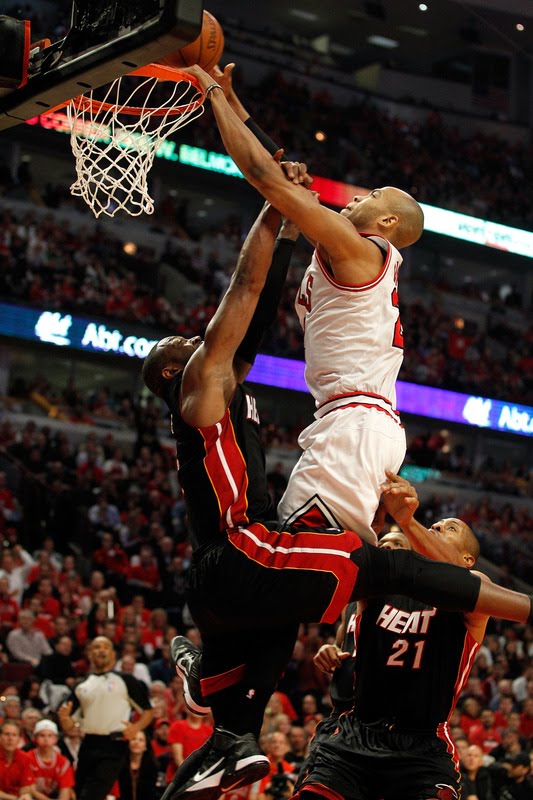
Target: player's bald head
(410,216)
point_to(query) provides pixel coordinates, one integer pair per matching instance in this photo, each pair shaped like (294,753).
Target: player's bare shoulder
(358,262)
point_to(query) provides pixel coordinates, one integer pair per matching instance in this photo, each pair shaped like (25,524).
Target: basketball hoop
(115,139)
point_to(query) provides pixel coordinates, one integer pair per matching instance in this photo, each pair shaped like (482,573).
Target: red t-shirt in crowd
(114,560)
(9,611)
(15,775)
(51,776)
(526,725)
(43,623)
(287,706)
(486,739)
(466,722)
(149,574)
(190,738)
(49,605)
(159,749)
(153,637)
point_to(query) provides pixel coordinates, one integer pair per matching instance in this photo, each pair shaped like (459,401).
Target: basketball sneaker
(185,658)
(231,762)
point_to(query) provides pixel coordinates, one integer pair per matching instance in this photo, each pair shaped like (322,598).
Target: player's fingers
(228,69)
(278,154)
(344,655)
(296,172)
(302,171)
(308,181)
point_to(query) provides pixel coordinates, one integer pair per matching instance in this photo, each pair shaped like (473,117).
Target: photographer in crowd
(279,783)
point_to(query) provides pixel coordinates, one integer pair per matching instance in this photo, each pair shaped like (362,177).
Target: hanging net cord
(115,139)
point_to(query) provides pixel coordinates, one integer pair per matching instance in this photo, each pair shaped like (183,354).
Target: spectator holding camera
(279,783)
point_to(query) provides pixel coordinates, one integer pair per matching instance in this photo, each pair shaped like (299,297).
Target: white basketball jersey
(352,333)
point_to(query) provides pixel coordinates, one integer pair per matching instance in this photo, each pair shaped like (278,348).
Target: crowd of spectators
(365,145)
(120,411)
(95,543)
(454,462)
(48,264)
(94,538)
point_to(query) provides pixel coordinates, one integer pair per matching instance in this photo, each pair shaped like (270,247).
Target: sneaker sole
(201,711)
(247,771)
(250,773)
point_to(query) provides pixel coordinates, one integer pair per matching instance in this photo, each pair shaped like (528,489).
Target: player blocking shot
(246,574)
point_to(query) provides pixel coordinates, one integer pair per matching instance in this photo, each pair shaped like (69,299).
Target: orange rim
(162,72)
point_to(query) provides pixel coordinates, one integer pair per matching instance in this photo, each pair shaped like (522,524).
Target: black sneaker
(232,761)
(185,658)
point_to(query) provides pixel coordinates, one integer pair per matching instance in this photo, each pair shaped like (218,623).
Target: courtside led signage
(97,336)
(336,193)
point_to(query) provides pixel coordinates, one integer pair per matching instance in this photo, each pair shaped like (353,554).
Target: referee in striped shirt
(103,703)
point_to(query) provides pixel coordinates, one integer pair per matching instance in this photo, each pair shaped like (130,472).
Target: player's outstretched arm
(318,223)
(209,379)
(225,79)
(269,299)
(401,501)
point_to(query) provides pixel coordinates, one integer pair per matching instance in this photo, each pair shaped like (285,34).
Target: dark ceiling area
(438,37)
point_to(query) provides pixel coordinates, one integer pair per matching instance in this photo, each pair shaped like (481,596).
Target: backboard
(106,40)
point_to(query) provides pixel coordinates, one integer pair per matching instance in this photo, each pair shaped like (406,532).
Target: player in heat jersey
(348,306)
(247,575)
(412,662)
(53,775)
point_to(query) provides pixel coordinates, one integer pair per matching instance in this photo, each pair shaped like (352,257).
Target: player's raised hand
(224,78)
(296,171)
(202,77)
(329,657)
(399,497)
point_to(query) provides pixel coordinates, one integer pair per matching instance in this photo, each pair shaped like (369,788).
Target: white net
(114,147)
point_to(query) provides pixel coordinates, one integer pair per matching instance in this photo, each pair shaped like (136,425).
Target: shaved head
(388,212)
(410,217)
(457,533)
(470,542)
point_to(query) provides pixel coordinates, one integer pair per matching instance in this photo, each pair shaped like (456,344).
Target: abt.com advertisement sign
(96,336)
(66,330)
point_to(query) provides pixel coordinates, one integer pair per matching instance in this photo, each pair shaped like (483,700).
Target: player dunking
(245,574)
(353,352)
(348,308)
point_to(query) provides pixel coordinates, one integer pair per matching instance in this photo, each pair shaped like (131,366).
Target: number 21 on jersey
(402,653)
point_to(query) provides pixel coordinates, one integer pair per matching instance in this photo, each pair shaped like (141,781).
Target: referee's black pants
(100,761)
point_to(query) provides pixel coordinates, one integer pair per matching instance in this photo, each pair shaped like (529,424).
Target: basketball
(204,51)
